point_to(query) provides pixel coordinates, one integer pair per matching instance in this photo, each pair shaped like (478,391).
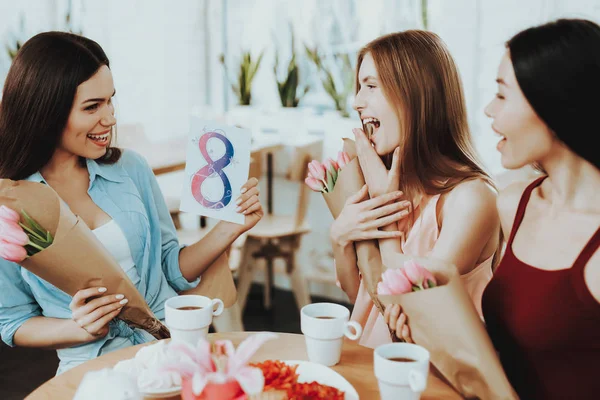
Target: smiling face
(375,109)
(89,127)
(524,137)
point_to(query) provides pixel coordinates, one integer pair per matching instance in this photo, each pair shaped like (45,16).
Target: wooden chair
(279,236)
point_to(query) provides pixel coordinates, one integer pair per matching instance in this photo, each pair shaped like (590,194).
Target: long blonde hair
(420,79)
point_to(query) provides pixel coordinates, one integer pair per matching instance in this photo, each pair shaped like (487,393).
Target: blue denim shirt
(129,193)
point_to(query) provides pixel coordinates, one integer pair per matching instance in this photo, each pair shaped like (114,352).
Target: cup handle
(416,381)
(357,330)
(220,307)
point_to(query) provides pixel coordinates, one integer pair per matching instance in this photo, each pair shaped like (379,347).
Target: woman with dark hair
(56,127)
(542,308)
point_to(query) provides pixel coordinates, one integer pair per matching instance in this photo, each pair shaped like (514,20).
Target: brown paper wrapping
(76,259)
(444,321)
(217,282)
(368,259)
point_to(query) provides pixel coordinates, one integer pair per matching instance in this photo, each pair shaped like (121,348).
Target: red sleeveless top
(545,324)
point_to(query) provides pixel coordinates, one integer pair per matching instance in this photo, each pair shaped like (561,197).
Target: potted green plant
(13,48)
(424,16)
(288,87)
(339,89)
(14,44)
(246,73)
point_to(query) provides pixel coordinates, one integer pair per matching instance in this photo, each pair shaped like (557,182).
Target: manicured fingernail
(102,289)
(244,190)
(119,296)
(239,201)
(119,309)
(238,209)
(124,301)
(245,212)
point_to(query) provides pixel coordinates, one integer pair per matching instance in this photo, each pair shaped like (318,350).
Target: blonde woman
(435,200)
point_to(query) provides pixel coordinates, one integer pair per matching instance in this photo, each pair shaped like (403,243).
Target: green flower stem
(32,232)
(35,246)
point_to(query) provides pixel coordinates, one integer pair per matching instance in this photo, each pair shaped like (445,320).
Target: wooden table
(356,366)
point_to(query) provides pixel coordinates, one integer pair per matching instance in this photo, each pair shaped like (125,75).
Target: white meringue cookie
(107,384)
(146,366)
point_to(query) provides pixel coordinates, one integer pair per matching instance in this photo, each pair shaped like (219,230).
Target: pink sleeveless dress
(419,243)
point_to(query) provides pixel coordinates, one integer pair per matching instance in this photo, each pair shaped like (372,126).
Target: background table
(169,156)
(356,366)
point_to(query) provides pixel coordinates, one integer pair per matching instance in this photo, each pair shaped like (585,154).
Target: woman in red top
(542,308)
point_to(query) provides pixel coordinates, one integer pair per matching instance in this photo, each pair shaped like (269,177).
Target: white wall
(165,55)
(474,30)
(156,49)
(156,53)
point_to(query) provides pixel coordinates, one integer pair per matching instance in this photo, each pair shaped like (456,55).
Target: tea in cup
(324,326)
(189,317)
(401,370)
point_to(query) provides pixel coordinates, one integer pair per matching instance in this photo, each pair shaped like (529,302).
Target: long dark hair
(557,66)
(38,96)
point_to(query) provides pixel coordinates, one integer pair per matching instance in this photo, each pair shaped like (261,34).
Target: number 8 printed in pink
(213,167)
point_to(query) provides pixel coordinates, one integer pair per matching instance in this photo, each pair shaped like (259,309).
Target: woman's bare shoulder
(508,202)
(471,194)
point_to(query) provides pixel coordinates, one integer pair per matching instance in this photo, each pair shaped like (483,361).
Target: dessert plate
(309,372)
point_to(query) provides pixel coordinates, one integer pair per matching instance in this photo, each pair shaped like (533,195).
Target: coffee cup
(401,370)
(189,317)
(324,326)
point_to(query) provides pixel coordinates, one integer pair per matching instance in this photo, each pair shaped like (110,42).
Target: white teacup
(401,370)
(324,326)
(188,317)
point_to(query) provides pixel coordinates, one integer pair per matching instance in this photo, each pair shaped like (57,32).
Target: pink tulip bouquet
(20,240)
(218,371)
(322,177)
(443,319)
(56,245)
(411,277)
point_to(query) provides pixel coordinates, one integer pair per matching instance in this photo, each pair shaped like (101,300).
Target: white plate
(309,372)
(159,394)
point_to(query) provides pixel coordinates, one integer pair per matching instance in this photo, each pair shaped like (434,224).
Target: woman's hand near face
(361,217)
(379,179)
